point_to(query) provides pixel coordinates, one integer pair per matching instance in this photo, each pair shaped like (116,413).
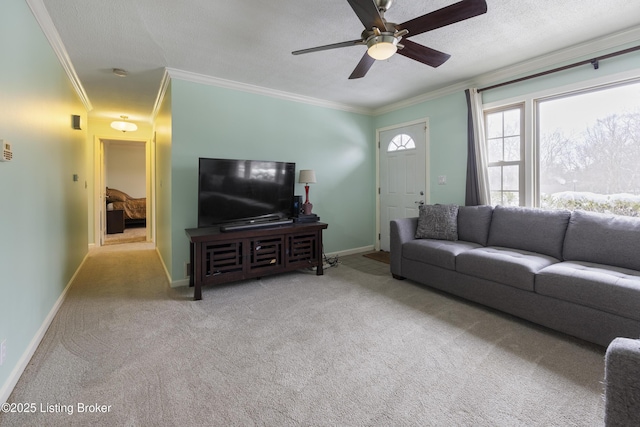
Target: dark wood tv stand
(218,257)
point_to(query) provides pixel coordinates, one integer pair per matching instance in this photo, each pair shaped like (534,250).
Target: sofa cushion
(437,222)
(529,229)
(513,267)
(473,223)
(441,253)
(603,239)
(612,289)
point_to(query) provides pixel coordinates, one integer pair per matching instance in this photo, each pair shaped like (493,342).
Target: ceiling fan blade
(368,13)
(426,55)
(329,46)
(448,15)
(363,66)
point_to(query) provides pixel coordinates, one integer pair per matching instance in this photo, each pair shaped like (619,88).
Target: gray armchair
(622,383)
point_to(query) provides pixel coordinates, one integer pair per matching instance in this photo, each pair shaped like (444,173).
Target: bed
(135,210)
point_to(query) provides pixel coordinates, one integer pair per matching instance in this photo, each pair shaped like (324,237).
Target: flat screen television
(232,191)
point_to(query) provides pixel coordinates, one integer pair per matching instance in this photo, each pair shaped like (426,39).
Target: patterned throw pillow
(438,222)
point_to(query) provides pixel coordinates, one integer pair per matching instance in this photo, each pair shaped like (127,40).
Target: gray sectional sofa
(575,272)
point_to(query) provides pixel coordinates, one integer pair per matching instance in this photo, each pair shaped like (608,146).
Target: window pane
(401,142)
(589,151)
(512,122)
(494,125)
(495,178)
(510,178)
(505,198)
(512,149)
(495,150)
(510,198)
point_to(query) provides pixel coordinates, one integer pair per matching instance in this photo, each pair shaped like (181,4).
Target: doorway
(402,175)
(123,191)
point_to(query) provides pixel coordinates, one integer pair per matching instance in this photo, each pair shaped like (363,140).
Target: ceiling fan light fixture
(382,47)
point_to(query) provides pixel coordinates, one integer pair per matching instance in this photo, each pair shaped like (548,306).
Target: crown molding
(434,94)
(244,87)
(580,51)
(51,33)
(162,91)
(591,47)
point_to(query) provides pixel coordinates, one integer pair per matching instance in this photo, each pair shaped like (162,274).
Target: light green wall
(447,142)
(43,212)
(210,121)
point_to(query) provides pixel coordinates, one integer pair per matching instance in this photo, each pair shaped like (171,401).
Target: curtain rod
(594,62)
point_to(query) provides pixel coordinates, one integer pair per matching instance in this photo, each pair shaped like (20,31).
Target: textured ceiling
(250,42)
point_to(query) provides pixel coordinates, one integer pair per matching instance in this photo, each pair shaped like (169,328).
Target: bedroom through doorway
(125,189)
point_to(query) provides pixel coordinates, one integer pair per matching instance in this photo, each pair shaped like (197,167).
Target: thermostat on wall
(7,155)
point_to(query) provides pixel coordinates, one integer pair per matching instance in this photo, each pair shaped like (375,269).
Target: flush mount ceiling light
(123,125)
(120,72)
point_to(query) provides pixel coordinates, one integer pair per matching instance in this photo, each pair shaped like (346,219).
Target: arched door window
(401,142)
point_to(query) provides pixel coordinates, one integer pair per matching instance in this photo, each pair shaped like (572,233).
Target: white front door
(403,174)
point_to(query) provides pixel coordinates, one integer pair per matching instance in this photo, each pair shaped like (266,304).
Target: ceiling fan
(383,38)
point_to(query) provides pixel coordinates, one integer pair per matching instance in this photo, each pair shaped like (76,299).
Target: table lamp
(307,177)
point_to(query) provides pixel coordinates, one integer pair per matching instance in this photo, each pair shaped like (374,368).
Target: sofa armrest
(402,230)
(622,383)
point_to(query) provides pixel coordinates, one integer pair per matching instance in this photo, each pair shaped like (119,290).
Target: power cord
(331,261)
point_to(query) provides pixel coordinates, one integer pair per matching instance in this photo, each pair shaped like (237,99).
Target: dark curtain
(472,194)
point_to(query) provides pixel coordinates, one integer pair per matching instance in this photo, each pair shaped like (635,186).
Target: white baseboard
(179,283)
(172,283)
(353,251)
(24,360)
(166,270)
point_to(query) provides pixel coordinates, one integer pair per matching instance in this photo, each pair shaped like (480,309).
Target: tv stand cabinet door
(303,249)
(266,255)
(223,261)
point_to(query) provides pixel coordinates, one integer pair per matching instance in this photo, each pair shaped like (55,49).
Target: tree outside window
(589,150)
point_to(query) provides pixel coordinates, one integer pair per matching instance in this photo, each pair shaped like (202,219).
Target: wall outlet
(3,351)
(442,180)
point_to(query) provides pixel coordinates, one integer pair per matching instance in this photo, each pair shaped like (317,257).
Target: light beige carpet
(348,348)
(130,235)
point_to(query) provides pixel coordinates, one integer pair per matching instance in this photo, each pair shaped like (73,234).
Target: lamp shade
(307,176)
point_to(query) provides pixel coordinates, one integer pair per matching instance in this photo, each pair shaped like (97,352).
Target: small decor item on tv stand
(307,218)
(307,177)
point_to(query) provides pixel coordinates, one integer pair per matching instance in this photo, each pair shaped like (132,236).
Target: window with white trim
(505,144)
(584,153)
